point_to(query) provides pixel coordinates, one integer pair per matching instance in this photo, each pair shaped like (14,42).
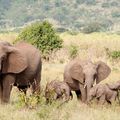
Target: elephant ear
(15,62)
(103,70)
(76,72)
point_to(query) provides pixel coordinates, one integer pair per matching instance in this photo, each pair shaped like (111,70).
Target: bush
(31,101)
(115,54)
(73,51)
(106,5)
(92,27)
(112,54)
(42,35)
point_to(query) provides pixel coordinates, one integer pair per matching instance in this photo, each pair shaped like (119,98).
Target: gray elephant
(20,65)
(57,90)
(80,75)
(104,93)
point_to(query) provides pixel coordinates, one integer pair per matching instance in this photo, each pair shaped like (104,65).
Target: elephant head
(87,72)
(50,93)
(114,86)
(11,59)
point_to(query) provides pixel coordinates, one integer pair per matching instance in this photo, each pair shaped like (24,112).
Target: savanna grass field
(94,46)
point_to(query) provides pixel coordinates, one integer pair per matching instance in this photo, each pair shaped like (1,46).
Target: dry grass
(10,37)
(91,45)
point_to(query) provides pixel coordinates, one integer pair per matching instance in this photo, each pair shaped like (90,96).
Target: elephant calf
(57,90)
(104,92)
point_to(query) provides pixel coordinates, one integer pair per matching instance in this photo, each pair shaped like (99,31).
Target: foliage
(72,15)
(113,54)
(30,101)
(73,51)
(42,35)
(92,27)
(116,14)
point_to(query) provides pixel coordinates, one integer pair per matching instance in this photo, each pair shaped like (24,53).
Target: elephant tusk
(85,86)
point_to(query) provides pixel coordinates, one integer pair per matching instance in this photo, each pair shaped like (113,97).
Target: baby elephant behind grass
(105,93)
(57,90)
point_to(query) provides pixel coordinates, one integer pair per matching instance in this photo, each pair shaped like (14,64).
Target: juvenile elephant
(20,65)
(80,75)
(57,90)
(104,93)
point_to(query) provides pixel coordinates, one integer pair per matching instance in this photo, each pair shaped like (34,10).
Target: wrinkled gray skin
(57,90)
(104,93)
(115,86)
(80,75)
(20,65)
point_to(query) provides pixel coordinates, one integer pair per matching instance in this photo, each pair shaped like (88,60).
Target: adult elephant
(80,75)
(19,65)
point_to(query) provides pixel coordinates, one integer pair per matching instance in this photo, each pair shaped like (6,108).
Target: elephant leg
(83,93)
(102,100)
(78,93)
(35,86)
(113,98)
(8,82)
(37,79)
(1,89)
(67,94)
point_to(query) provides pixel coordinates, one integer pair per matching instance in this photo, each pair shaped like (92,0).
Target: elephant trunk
(89,84)
(88,90)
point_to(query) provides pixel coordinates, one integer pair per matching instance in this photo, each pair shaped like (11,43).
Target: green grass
(90,46)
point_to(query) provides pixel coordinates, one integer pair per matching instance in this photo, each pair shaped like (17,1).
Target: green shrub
(115,14)
(42,35)
(90,2)
(112,54)
(115,54)
(73,51)
(31,101)
(92,27)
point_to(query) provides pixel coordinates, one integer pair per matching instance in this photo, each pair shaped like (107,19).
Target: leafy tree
(42,35)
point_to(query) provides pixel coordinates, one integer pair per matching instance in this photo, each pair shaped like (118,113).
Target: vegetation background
(77,15)
(73,20)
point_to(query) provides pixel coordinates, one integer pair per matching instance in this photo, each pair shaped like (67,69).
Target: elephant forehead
(89,70)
